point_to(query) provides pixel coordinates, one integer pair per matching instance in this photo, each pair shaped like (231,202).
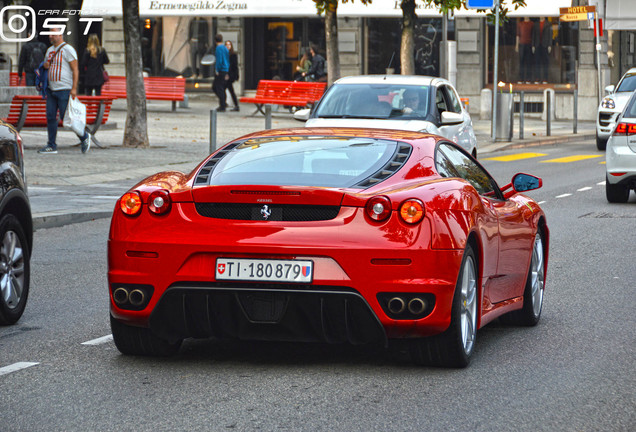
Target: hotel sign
(577,13)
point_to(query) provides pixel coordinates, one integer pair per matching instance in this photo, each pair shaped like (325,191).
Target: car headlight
(608,103)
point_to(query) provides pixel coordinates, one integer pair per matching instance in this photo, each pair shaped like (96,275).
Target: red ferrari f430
(327,235)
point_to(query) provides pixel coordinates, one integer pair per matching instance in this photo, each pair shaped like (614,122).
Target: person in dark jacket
(317,70)
(92,66)
(31,56)
(234,73)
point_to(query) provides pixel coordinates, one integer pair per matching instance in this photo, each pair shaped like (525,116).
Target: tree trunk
(407,47)
(331,34)
(136,130)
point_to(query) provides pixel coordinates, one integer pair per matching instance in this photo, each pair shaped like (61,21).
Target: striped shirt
(60,72)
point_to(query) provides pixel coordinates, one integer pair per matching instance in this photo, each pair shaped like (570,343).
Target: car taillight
(412,211)
(625,129)
(130,203)
(159,202)
(378,208)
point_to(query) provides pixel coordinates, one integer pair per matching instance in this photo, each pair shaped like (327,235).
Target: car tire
(616,193)
(141,341)
(530,314)
(15,270)
(601,144)
(454,347)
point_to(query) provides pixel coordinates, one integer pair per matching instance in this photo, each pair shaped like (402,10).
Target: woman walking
(92,66)
(234,73)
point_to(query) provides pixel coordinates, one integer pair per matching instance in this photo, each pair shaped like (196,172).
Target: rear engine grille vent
(203,177)
(399,158)
(257,212)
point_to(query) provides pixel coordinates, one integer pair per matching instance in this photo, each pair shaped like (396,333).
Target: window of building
(535,51)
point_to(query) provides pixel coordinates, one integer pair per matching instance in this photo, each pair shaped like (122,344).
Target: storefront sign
(577,13)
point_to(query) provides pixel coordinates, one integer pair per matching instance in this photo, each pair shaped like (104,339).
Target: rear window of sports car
(304,161)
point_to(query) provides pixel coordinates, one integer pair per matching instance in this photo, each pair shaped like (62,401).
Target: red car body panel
(350,250)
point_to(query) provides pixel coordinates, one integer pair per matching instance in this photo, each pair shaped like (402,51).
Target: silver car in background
(612,105)
(414,103)
(620,156)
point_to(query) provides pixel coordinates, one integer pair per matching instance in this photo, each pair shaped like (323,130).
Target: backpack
(36,56)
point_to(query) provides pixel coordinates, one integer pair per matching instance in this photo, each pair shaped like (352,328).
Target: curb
(547,141)
(59,220)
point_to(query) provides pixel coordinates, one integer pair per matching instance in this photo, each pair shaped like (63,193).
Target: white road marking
(99,341)
(583,189)
(563,196)
(16,367)
(105,197)
(601,183)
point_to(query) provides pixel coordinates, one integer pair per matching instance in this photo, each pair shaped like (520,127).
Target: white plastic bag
(75,116)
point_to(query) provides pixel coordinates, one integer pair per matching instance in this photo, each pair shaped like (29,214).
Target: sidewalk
(72,187)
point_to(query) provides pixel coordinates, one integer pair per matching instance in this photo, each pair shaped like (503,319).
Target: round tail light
(130,203)
(412,211)
(378,208)
(159,202)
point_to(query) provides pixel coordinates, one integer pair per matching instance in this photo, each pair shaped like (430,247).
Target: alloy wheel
(11,269)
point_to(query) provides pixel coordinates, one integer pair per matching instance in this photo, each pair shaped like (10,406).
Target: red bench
(13,79)
(297,94)
(157,88)
(30,111)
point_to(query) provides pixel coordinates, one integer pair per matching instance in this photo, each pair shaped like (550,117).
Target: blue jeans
(56,100)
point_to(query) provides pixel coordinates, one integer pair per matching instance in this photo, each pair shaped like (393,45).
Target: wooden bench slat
(286,93)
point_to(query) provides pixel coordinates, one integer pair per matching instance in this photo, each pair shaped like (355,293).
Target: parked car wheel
(141,341)
(533,294)
(454,347)
(601,143)
(14,270)
(616,193)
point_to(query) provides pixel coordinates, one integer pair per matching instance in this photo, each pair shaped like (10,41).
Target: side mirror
(609,89)
(451,118)
(521,183)
(302,114)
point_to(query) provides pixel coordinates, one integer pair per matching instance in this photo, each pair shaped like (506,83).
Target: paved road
(573,372)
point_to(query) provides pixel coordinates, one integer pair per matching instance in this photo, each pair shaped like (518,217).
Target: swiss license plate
(264,270)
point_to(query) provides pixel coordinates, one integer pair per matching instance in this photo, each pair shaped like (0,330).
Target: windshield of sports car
(303,161)
(627,84)
(378,101)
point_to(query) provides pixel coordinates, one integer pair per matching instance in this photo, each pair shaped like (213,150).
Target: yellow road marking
(572,158)
(515,157)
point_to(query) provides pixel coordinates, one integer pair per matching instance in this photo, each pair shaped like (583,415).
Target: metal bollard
(212,130)
(521,113)
(548,117)
(575,119)
(268,117)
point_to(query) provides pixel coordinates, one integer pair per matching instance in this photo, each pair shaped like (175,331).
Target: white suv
(612,105)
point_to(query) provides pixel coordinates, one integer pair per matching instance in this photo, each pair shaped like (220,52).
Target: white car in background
(620,157)
(414,103)
(612,105)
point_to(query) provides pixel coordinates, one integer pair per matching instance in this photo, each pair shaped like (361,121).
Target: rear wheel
(15,270)
(616,193)
(533,294)
(141,341)
(454,347)
(601,143)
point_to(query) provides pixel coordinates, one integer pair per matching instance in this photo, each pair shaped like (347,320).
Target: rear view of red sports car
(327,235)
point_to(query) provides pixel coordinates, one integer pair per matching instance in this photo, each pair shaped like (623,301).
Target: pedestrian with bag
(63,79)
(317,70)
(31,55)
(222,72)
(234,74)
(92,65)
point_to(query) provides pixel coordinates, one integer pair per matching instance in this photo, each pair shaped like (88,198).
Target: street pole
(495,77)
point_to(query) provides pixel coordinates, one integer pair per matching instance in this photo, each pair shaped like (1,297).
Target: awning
(297,8)
(620,15)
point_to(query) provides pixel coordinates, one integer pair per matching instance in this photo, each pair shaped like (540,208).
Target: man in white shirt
(63,78)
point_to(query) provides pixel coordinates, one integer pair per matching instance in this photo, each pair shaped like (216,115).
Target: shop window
(535,51)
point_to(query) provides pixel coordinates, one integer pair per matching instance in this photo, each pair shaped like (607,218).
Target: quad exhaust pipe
(416,306)
(396,305)
(410,307)
(127,297)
